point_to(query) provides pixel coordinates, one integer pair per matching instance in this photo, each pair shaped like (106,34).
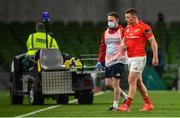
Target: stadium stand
(75,38)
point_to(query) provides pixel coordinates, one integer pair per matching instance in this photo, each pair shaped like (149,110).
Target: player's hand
(123,47)
(99,66)
(155,61)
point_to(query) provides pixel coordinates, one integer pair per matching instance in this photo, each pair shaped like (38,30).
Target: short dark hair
(40,27)
(132,11)
(114,14)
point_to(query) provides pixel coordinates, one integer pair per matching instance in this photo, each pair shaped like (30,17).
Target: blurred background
(77,26)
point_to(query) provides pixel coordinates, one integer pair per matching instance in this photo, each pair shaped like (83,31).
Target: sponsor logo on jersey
(133,37)
(112,40)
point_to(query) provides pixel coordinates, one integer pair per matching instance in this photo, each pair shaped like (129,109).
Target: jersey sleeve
(122,31)
(102,50)
(147,31)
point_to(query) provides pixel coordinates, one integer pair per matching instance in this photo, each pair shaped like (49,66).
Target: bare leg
(144,93)
(132,80)
(108,83)
(116,89)
(141,87)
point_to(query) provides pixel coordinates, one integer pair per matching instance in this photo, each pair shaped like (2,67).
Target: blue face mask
(111,24)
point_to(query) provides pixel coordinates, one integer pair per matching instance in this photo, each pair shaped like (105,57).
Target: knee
(115,85)
(131,80)
(108,84)
(139,83)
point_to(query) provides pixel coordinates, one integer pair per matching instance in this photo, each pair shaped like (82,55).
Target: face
(112,19)
(130,19)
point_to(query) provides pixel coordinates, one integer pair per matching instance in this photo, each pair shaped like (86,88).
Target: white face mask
(111,24)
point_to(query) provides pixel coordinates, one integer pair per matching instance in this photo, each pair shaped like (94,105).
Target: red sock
(128,101)
(147,100)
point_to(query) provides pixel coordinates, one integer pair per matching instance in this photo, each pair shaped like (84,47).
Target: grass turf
(166,103)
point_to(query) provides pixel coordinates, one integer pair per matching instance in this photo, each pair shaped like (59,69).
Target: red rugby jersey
(136,37)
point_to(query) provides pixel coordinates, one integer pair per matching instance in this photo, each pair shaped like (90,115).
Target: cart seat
(51,60)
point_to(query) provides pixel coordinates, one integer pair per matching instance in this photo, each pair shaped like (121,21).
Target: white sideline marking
(52,107)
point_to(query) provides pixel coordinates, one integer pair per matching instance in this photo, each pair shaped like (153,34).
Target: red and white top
(110,48)
(136,37)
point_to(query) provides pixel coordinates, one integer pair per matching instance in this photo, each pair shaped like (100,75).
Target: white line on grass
(52,107)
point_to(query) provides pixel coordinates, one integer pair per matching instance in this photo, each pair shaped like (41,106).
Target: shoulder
(105,32)
(126,29)
(36,34)
(30,35)
(121,27)
(143,25)
(146,29)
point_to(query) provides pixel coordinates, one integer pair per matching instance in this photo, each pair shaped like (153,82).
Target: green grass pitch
(166,103)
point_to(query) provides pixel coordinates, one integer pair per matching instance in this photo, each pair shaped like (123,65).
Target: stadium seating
(57,26)
(152,80)
(162,36)
(73,26)
(88,33)
(174,31)
(76,38)
(88,26)
(9,47)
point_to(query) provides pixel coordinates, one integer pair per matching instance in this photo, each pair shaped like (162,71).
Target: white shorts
(137,64)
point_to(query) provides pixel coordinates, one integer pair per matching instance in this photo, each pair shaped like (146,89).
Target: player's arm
(123,40)
(150,36)
(154,46)
(123,45)
(102,50)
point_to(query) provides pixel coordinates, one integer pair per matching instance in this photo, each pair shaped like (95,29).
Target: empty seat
(88,26)
(51,59)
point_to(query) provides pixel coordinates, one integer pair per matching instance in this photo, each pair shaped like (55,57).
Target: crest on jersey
(137,30)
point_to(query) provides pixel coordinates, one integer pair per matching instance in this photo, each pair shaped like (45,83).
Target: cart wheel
(15,99)
(85,97)
(35,98)
(62,99)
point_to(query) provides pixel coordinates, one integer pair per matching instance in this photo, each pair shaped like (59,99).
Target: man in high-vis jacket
(37,40)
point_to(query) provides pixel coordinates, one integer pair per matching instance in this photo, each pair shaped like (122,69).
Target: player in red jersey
(135,36)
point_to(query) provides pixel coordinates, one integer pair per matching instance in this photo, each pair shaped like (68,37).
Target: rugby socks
(115,104)
(124,95)
(128,101)
(147,100)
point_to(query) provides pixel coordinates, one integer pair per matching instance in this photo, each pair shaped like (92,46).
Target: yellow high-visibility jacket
(37,41)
